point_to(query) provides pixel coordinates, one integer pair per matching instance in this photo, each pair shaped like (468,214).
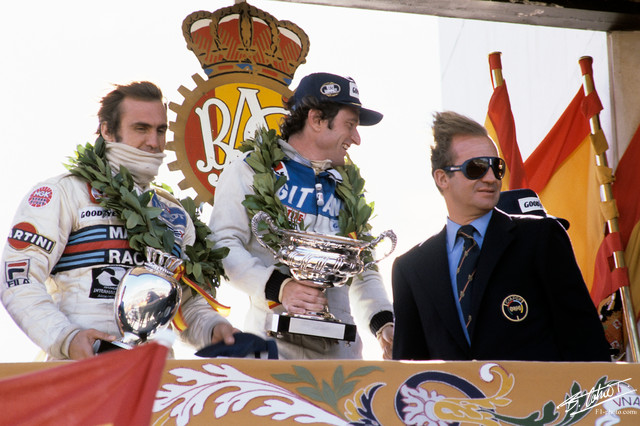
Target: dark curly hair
(294,121)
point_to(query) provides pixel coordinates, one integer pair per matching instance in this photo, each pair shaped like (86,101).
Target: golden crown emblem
(249,58)
(244,39)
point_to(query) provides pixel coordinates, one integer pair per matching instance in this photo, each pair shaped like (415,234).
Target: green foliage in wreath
(353,219)
(266,153)
(203,264)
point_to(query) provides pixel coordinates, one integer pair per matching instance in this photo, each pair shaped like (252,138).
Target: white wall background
(57,61)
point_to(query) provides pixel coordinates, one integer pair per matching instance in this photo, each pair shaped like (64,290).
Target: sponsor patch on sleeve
(40,197)
(24,235)
(530,204)
(16,272)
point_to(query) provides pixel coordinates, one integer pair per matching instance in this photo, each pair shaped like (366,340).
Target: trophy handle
(386,234)
(264,217)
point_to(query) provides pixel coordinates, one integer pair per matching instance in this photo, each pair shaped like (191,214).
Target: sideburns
(330,123)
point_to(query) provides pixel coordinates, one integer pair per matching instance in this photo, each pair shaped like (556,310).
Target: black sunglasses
(476,167)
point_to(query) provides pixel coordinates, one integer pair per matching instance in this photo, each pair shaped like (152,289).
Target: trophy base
(310,326)
(102,346)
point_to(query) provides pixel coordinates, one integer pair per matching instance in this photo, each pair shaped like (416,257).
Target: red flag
(502,127)
(116,388)
(607,278)
(625,188)
(563,171)
(563,139)
(625,191)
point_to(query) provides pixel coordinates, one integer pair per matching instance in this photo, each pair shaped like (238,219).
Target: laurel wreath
(203,264)
(353,219)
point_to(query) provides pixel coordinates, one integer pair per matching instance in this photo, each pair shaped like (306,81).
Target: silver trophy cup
(326,260)
(146,301)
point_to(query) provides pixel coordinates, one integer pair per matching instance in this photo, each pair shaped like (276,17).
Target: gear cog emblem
(249,58)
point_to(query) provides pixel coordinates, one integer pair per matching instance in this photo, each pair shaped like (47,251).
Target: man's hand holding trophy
(324,260)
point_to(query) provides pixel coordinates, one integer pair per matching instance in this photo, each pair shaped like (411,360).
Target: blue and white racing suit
(250,266)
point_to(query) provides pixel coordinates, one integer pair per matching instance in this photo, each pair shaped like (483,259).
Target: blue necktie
(466,270)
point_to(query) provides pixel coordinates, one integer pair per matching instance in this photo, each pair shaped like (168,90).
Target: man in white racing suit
(66,254)
(325,113)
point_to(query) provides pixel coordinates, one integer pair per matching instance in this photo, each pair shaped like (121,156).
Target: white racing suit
(249,265)
(63,261)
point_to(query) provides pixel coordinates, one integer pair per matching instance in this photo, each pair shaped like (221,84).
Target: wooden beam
(613,15)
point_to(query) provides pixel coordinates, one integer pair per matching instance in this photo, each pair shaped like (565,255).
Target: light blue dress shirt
(454,251)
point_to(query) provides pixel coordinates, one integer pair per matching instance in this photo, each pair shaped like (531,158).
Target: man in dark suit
(513,292)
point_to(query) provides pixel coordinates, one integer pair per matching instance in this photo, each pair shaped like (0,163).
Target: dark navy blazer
(529,300)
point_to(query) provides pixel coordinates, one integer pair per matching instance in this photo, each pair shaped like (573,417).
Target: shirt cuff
(273,285)
(284,283)
(379,320)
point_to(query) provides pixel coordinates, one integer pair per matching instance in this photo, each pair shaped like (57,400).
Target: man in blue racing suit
(325,112)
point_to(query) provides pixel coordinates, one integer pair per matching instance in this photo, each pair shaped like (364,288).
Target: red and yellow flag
(562,171)
(502,128)
(625,191)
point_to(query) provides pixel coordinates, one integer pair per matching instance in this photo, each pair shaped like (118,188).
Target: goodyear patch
(95,213)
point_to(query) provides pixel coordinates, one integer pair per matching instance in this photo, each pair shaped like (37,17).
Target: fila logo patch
(16,272)
(25,234)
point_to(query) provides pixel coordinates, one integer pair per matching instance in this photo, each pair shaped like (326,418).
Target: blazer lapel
(436,287)
(496,241)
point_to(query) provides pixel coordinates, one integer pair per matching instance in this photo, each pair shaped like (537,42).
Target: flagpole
(495,64)
(600,145)
(500,119)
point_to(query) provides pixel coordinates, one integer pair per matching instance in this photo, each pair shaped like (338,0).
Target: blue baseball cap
(334,88)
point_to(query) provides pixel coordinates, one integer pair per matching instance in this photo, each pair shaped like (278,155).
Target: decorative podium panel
(249,391)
